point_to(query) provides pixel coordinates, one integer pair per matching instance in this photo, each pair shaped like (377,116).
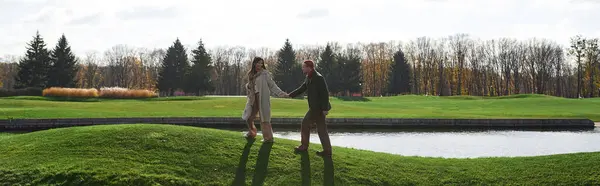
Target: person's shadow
(240,174)
(328,177)
(305,168)
(328,171)
(260,170)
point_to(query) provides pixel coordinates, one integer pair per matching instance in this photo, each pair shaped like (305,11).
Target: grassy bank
(178,155)
(519,106)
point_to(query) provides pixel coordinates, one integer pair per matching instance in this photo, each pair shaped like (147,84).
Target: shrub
(70,92)
(119,92)
(31,91)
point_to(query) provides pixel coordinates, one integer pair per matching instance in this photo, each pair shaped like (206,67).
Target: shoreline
(340,123)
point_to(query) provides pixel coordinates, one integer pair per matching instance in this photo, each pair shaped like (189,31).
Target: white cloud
(99,25)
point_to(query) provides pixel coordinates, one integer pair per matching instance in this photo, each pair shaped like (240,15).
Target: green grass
(517,106)
(146,154)
(4,135)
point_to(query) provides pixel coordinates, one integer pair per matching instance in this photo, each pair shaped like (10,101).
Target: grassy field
(518,106)
(139,154)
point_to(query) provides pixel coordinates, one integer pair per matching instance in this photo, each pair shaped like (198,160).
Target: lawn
(518,106)
(152,154)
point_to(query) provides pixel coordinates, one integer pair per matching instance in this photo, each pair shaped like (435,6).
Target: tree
(591,53)
(577,50)
(459,44)
(221,66)
(174,67)
(400,75)
(91,75)
(2,75)
(328,67)
(238,74)
(350,70)
(287,74)
(63,67)
(120,70)
(198,80)
(33,68)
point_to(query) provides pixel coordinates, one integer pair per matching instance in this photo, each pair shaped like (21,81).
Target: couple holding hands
(261,86)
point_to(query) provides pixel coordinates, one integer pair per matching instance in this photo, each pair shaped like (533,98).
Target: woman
(260,87)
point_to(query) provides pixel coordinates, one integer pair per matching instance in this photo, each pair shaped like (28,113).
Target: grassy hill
(517,106)
(142,154)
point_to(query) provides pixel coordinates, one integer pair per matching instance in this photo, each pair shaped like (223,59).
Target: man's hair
(310,64)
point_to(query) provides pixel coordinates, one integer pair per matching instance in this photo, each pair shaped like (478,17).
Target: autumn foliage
(70,92)
(105,92)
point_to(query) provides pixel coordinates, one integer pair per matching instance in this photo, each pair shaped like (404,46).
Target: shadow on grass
(261,164)
(328,177)
(352,98)
(240,174)
(260,170)
(328,171)
(305,168)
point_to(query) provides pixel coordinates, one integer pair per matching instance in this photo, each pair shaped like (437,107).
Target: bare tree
(558,60)
(460,45)
(239,54)
(309,52)
(91,72)
(412,59)
(591,53)
(440,58)
(8,70)
(220,57)
(577,50)
(120,66)
(517,64)
(424,55)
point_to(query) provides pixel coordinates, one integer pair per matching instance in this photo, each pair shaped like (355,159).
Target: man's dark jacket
(317,92)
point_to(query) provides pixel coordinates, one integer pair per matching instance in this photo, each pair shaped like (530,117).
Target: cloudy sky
(97,25)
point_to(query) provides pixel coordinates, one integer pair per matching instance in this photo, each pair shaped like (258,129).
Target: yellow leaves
(137,62)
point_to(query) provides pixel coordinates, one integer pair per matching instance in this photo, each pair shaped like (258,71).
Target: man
(319,106)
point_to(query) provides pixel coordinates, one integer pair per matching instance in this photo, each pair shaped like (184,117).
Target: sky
(98,25)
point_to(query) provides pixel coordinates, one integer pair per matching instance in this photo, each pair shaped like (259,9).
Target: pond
(463,144)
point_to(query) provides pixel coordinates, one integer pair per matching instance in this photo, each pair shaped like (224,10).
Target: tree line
(455,65)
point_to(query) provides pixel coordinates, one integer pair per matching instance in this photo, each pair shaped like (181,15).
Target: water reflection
(463,144)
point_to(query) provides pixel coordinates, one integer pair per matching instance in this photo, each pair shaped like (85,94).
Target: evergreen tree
(173,68)
(33,68)
(329,68)
(63,67)
(350,70)
(400,75)
(198,80)
(288,72)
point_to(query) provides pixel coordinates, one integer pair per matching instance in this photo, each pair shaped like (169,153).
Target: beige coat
(266,88)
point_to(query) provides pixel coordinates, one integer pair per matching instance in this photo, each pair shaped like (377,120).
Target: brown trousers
(264,126)
(310,118)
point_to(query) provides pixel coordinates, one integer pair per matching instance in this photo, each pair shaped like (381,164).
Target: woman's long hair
(252,70)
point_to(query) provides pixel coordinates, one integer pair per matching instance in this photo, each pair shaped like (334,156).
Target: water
(463,144)
(457,144)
